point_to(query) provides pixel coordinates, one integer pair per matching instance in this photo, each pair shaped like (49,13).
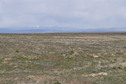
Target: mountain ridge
(59,29)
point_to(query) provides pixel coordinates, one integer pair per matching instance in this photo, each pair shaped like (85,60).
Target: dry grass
(63,58)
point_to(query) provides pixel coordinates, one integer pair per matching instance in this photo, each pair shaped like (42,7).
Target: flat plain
(63,58)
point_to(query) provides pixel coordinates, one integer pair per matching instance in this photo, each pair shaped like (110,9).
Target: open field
(63,58)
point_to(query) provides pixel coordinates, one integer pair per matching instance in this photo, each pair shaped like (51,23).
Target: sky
(79,14)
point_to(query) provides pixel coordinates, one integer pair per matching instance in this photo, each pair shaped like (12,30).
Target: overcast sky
(63,13)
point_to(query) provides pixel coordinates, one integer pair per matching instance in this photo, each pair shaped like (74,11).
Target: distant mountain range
(58,29)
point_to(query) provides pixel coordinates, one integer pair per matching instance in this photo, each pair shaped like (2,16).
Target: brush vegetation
(63,58)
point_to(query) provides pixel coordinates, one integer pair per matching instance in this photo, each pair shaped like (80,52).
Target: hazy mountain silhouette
(58,29)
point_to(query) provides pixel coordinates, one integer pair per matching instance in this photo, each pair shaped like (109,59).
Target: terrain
(63,58)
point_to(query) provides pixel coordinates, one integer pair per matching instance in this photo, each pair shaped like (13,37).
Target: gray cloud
(63,13)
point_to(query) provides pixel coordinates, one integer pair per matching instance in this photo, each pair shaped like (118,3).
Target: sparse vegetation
(56,82)
(63,58)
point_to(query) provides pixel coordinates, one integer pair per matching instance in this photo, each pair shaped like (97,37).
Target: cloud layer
(63,13)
